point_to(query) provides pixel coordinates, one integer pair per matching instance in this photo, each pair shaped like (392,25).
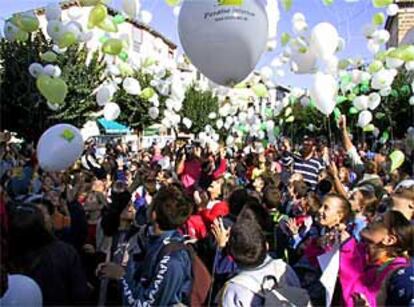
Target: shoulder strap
(173,247)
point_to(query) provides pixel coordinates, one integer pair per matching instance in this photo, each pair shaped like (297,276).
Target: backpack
(201,277)
(272,292)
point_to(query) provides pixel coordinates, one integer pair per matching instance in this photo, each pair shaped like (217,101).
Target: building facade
(401,26)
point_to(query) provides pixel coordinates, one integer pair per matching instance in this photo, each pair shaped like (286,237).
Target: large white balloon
(323,92)
(374,100)
(22,291)
(361,102)
(153,112)
(131,86)
(303,62)
(324,39)
(364,118)
(111,111)
(53,11)
(59,147)
(223,42)
(131,7)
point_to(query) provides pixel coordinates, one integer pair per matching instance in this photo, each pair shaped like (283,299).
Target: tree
(23,108)
(197,106)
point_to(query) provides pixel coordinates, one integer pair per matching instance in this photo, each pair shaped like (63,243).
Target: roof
(113,127)
(112,11)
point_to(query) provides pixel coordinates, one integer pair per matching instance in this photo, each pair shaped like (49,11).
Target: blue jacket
(159,282)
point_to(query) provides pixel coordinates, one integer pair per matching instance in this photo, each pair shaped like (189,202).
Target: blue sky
(348,17)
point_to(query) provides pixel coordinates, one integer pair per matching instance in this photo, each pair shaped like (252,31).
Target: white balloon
(230,140)
(49,70)
(10,31)
(385,91)
(361,102)
(111,111)
(22,291)
(53,106)
(303,63)
(176,11)
(393,62)
(224,49)
(331,64)
(212,115)
(382,79)
(153,112)
(369,30)
(373,46)
(299,26)
(409,65)
(411,101)
(324,39)
(266,73)
(270,125)
(131,86)
(36,69)
(381,36)
(103,96)
(131,7)
(55,29)
(53,11)
(59,147)
(56,49)
(74,13)
(145,16)
(364,118)
(374,101)
(74,27)
(219,124)
(392,9)
(298,17)
(323,92)
(273,15)
(85,37)
(187,122)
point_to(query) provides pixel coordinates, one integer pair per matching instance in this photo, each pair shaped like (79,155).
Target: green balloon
(385,136)
(221,2)
(396,53)
(285,38)
(381,55)
(375,66)
(364,89)
(405,90)
(287,4)
(174,2)
(369,128)
(312,104)
(394,93)
(67,39)
(346,79)
(260,90)
(97,15)
(288,111)
(381,3)
(53,89)
(407,53)
(108,25)
(118,19)
(337,113)
(378,19)
(353,111)
(125,69)
(327,2)
(263,126)
(49,57)
(276,130)
(89,2)
(22,36)
(112,46)
(341,99)
(343,64)
(147,93)
(397,158)
(123,56)
(351,97)
(290,119)
(25,23)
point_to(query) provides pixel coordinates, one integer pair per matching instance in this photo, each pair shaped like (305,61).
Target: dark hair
(27,231)
(345,206)
(172,207)
(272,197)
(314,203)
(45,203)
(247,243)
(254,210)
(300,188)
(237,200)
(398,225)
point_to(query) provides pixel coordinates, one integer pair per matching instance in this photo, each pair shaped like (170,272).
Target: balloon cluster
(18,27)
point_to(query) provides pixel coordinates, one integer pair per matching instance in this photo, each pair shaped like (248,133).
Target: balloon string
(329,132)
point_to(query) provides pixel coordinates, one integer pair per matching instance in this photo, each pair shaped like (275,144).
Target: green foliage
(197,106)
(134,109)
(22,108)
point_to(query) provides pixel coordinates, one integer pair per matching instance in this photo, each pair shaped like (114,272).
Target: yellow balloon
(53,89)
(97,15)
(67,39)
(112,46)
(25,23)
(108,25)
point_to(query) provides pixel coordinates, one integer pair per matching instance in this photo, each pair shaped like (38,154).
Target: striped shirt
(309,168)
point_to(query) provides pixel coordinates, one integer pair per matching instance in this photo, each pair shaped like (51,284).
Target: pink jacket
(357,276)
